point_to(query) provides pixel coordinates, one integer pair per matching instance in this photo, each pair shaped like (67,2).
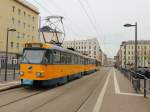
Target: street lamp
(134,25)
(6,58)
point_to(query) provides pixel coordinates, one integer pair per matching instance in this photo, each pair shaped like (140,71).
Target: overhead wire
(46,9)
(95,21)
(90,18)
(82,5)
(64,13)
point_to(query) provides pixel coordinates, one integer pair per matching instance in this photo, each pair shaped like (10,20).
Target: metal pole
(136,47)
(144,87)
(121,56)
(12,62)
(125,56)
(14,75)
(6,58)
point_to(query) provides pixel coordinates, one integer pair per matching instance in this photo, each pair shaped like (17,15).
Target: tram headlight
(39,74)
(21,73)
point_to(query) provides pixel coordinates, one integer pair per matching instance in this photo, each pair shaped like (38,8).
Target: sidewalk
(121,97)
(9,85)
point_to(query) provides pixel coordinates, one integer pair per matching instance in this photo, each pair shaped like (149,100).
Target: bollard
(149,84)
(0,72)
(138,84)
(14,75)
(129,76)
(144,87)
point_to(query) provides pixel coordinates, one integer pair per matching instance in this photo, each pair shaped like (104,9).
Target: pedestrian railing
(140,82)
(12,74)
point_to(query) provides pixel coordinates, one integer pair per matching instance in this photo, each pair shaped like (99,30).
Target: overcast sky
(104,19)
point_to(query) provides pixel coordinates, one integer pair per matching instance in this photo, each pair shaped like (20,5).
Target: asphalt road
(76,96)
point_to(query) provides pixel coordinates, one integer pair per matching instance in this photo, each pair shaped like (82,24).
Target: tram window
(68,58)
(75,59)
(56,57)
(63,58)
(78,59)
(85,62)
(47,57)
(72,59)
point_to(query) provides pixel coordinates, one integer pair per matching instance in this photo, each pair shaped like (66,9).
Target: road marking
(131,94)
(117,89)
(98,104)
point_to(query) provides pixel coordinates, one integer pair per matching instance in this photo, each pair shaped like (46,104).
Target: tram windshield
(33,56)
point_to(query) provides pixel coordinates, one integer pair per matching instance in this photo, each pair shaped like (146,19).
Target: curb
(10,87)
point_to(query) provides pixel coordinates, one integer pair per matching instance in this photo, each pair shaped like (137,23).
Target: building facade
(24,18)
(88,47)
(126,53)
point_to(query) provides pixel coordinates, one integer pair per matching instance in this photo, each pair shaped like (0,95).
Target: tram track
(55,96)
(90,94)
(20,94)
(82,103)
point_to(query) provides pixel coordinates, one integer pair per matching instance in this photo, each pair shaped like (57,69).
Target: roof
(138,42)
(28,5)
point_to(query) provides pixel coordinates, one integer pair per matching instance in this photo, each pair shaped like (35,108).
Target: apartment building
(88,47)
(21,16)
(127,53)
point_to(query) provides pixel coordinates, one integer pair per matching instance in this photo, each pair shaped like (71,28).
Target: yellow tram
(47,64)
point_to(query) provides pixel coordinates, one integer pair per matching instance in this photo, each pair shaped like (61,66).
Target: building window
(23,35)
(19,22)
(13,8)
(29,16)
(19,11)
(128,58)
(29,27)
(11,44)
(24,25)
(33,18)
(18,35)
(33,28)
(17,45)
(13,20)
(24,14)
(32,37)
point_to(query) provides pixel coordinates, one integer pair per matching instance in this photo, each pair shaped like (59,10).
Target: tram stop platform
(6,85)
(121,97)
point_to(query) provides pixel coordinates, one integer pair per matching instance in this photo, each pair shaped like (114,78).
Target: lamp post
(6,58)
(125,55)
(134,25)
(121,54)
